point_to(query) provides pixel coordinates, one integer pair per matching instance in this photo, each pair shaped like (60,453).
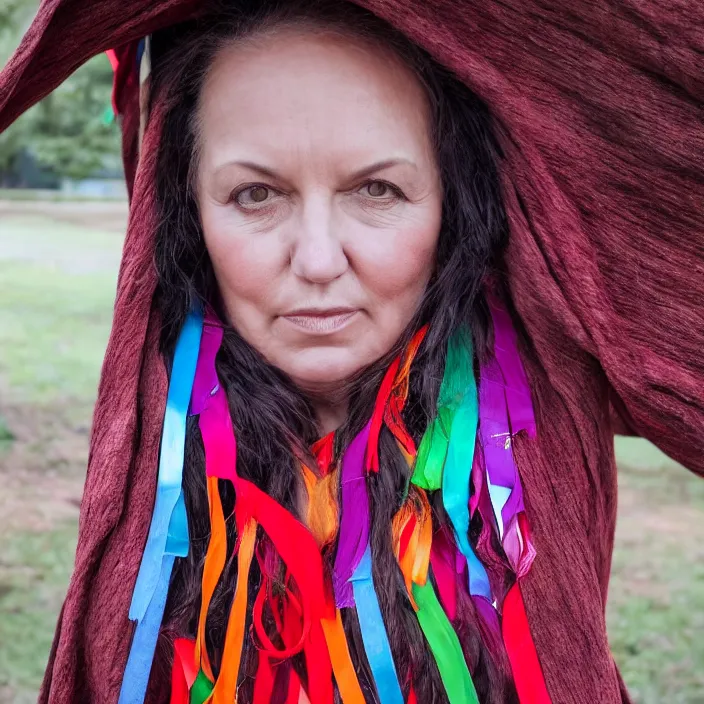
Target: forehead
(311,88)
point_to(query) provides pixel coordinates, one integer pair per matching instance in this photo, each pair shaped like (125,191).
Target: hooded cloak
(598,108)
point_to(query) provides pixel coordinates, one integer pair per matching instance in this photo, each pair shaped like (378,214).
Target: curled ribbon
(390,401)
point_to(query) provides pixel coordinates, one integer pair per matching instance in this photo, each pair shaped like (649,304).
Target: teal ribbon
(444,461)
(168,531)
(455,486)
(432,451)
(446,451)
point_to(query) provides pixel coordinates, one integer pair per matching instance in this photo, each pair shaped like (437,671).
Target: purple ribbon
(505,408)
(354,523)
(515,382)
(206,380)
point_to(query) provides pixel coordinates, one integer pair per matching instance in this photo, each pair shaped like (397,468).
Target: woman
(326,207)
(349,203)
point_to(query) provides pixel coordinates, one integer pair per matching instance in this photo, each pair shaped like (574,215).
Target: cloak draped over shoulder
(598,107)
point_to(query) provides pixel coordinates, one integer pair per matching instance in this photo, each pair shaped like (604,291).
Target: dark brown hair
(269,413)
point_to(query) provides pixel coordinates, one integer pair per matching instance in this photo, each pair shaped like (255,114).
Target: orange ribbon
(412,530)
(212,569)
(342,665)
(322,515)
(225,689)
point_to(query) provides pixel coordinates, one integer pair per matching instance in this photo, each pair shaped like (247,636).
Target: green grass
(57,284)
(47,195)
(56,292)
(55,309)
(656,598)
(34,571)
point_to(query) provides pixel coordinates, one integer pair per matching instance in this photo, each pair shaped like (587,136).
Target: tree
(14,19)
(71,132)
(15,16)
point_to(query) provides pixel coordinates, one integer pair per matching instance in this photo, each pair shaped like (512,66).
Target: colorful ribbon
(390,401)
(354,522)
(455,488)
(304,612)
(446,451)
(412,531)
(506,409)
(342,665)
(168,531)
(527,673)
(352,577)
(445,646)
(374,636)
(295,545)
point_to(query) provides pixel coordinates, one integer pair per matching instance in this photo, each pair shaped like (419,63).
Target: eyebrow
(361,173)
(380,166)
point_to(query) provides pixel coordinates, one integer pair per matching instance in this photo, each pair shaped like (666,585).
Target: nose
(318,255)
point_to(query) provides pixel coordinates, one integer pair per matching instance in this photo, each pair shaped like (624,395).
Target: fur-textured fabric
(599,112)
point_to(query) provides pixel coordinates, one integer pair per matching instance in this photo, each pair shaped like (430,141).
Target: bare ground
(43,470)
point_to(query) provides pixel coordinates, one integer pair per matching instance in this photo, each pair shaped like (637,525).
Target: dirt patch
(42,469)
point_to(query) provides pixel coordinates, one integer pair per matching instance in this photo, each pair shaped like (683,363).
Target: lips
(321,322)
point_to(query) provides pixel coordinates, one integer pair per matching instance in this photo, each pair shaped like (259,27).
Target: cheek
(247,264)
(395,266)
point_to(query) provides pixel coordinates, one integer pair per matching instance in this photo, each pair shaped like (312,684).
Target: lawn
(58,266)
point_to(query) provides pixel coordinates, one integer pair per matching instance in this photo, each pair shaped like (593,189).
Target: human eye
(253,196)
(382,191)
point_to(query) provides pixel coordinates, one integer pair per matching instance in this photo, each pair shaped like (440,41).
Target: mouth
(321,321)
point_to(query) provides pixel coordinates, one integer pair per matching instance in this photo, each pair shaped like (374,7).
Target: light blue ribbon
(374,636)
(168,531)
(139,661)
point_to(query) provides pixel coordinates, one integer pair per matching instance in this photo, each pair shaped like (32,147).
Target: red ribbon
(323,453)
(527,673)
(183,671)
(389,403)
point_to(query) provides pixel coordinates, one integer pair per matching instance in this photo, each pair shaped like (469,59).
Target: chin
(319,368)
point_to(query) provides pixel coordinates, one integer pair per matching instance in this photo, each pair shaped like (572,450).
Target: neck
(330,404)
(329,414)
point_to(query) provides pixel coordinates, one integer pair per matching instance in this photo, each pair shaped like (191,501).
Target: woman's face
(320,199)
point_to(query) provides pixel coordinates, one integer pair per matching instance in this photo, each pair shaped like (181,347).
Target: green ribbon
(201,689)
(445,646)
(457,379)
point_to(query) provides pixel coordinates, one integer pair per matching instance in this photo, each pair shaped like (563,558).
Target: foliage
(71,131)
(14,17)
